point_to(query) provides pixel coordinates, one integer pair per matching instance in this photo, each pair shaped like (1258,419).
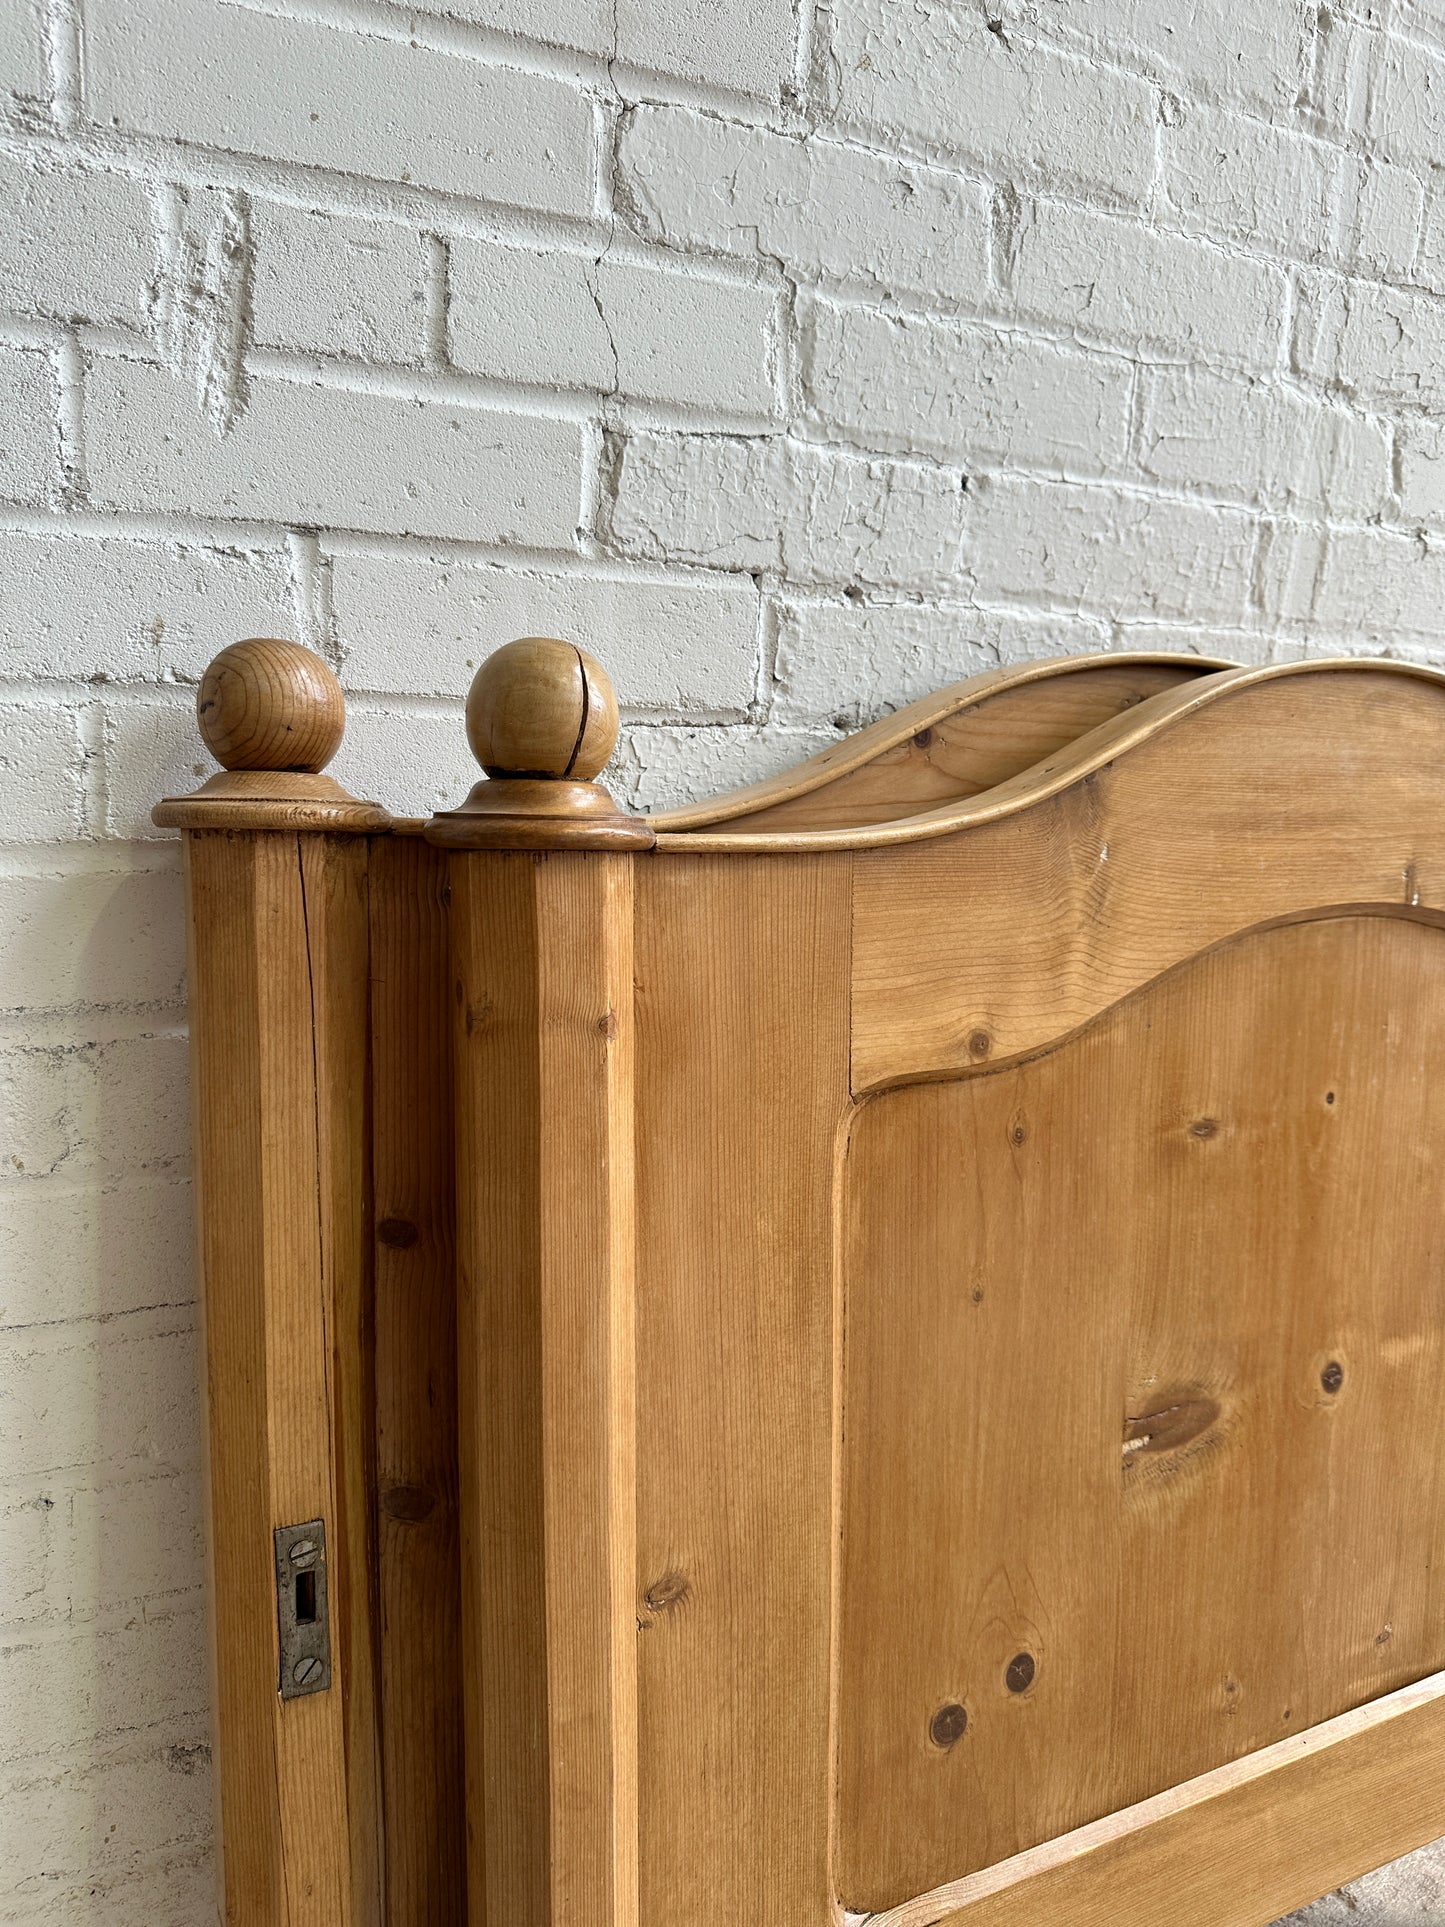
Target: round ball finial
(269,705)
(542,708)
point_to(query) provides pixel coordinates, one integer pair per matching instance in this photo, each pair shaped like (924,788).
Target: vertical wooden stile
(335,887)
(542,953)
(276,865)
(418,1559)
(278,1034)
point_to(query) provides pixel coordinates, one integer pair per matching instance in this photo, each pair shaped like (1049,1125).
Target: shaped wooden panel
(944,747)
(1143,1364)
(1244,799)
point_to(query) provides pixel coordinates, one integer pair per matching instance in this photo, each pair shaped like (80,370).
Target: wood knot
(979,1043)
(1019,1674)
(1333,1376)
(607,1026)
(664,1595)
(1168,1428)
(1204,1127)
(948,1725)
(399,1233)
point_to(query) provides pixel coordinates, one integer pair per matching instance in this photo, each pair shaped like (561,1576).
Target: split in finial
(542,722)
(272,714)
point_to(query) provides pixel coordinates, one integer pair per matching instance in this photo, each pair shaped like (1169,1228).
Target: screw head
(306,1671)
(303,1550)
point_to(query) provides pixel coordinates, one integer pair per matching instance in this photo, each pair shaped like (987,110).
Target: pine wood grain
(335,877)
(264,704)
(1171,1294)
(1011,728)
(742,975)
(542,708)
(418,1563)
(833,1513)
(1075,761)
(1281,794)
(1238,1847)
(281,1765)
(542,954)
(973,733)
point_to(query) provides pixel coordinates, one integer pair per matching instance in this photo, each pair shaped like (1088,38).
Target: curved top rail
(941,747)
(1069,765)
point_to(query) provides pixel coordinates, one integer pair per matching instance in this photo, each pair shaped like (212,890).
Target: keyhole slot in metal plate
(302,1622)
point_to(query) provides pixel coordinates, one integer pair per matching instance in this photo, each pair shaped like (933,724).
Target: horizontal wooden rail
(1250,1841)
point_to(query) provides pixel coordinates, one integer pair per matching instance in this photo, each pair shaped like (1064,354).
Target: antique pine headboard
(870,1347)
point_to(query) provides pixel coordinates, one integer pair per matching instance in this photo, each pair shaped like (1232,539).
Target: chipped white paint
(799,357)
(201,298)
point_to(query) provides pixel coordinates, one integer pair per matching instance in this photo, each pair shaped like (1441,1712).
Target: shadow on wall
(104,1697)
(1409,1894)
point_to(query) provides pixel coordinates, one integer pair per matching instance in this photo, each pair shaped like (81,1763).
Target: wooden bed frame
(871,1347)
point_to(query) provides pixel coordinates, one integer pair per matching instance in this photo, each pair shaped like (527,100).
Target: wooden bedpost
(542,893)
(278,959)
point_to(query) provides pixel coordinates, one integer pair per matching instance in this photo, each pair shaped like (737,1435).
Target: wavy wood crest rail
(871,1346)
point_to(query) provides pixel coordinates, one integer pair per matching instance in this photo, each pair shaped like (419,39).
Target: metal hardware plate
(302,1618)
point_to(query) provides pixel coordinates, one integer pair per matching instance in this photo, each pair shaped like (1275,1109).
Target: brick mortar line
(414,208)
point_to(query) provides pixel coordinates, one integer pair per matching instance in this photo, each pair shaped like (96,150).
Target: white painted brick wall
(27,426)
(994,96)
(798,356)
(815,206)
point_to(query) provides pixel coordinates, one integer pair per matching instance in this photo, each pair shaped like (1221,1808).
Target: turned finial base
(263,799)
(535,813)
(542,722)
(273,714)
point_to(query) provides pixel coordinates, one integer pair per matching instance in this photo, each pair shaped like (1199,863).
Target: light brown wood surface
(537,813)
(1078,760)
(948,1343)
(542,957)
(272,714)
(335,905)
(418,1564)
(1282,794)
(1170,1294)
(286,800)
(742,1012)
(996,726)
(269,1180)
(542,721)
(947,745)
(1238,1847)
(265,704)
(542,708)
